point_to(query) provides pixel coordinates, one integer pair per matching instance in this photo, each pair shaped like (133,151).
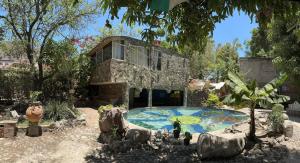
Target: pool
(193,119)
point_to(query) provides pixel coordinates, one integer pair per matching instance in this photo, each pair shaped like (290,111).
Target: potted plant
(34,114)
(187,138)
(177,128)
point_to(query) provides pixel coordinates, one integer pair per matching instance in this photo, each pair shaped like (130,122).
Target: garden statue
(177,128)
(187,138)
(34,114)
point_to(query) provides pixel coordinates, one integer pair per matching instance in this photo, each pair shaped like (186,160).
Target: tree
(259,45)
(35,22)
(285,41)
(226,60)
(251,95)
(191,22)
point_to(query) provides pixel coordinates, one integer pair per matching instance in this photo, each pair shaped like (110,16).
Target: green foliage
(191,22)
(68,71)
(15,83)
(213,100)
(177,125)
(55,110)
(188,135)
(44,19)
(275,118)
(34,95)
(105,107)
(249,93)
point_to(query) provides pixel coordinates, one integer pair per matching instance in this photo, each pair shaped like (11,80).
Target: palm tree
(250,94)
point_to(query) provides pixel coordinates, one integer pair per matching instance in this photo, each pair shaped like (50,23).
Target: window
(159,61)
(149,58)
(183,63)
(107,52)
(118,50)
(168,64)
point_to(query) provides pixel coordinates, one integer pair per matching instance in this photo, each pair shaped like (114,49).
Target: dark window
(149,58)
(107,52)
(159,61)
(168,64)
(183,63)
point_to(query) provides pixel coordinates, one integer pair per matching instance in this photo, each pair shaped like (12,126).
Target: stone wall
(173,75)
(260,69)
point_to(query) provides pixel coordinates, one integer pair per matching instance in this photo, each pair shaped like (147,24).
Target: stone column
(150,98)
(185,92)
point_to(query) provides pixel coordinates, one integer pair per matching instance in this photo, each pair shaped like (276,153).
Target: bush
(275,118)
(55,110)
(105,107)
(213,100)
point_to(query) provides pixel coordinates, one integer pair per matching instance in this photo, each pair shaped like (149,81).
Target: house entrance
(138,98)
(165,98)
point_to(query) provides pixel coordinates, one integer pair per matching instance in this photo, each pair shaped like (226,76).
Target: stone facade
(260,69)
(263,71)
(173,73)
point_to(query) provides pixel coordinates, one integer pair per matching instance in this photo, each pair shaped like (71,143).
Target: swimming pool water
(193,119)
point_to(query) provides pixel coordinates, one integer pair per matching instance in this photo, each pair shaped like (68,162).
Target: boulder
(285,116)
(220,145)
(138,135)
(288,129)
(110,118)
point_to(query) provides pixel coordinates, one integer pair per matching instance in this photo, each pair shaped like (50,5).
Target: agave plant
(250,94)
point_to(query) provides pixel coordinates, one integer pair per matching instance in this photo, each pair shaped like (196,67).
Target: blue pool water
(193,119)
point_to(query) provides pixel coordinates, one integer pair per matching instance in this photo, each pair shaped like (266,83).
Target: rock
(58,124)
(288,129)
(280,138)
(138,135)
(220,145)
(105,138)
(285,116)
(110,118)
(81,118)
(286,138)
(34,131)
(263,121)
(14,114)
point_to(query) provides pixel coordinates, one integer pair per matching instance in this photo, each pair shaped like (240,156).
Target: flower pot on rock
(188,137)
(176,133)
(34,114)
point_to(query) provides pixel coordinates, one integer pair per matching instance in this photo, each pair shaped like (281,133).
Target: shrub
(105,107)
(275,118)
(213,100)
(55,110)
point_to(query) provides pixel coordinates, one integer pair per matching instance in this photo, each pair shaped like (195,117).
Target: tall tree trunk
(252,123)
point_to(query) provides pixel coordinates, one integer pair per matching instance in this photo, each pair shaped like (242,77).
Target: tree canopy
(195,20)
(34,22)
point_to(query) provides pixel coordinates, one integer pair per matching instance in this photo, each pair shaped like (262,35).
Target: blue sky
(237,26)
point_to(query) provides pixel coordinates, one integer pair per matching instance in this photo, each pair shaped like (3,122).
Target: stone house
(263,71)
(129,72)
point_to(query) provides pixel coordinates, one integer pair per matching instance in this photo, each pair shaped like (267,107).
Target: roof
(135,41)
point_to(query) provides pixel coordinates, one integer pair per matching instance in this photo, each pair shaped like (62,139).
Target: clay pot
(34,112)
(176,133)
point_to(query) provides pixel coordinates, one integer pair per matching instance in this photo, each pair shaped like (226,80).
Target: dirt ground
(67,146)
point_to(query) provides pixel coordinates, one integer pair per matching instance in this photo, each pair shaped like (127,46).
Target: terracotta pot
(34,112)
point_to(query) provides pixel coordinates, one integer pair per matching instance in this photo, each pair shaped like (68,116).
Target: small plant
(275,119)
(177,128)
(55,110)
(34,96)
(187,138)
(105,107)
(213,100)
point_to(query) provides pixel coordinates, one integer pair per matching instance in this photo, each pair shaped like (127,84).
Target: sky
(238,26)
